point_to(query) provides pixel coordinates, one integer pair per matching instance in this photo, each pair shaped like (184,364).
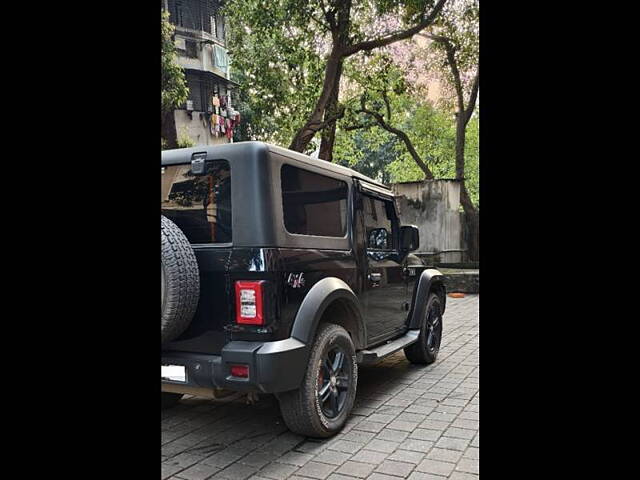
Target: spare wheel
(180,281)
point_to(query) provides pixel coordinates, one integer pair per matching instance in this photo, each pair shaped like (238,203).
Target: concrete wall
(196,128)
(434,207)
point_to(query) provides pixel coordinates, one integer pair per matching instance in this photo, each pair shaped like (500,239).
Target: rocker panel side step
(371,356)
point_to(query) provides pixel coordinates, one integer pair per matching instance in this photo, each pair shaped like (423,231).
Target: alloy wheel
(334,381)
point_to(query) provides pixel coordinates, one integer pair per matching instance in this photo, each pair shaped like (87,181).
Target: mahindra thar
(280,274)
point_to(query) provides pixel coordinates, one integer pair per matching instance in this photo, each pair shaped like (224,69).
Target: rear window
(199,205)
(313,204)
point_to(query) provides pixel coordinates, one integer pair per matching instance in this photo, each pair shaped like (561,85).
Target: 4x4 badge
(296,280)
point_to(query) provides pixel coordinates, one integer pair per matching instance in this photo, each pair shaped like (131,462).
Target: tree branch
(399,133)
(394,37)
(453,64)
(472,98)
(318,21)
(330,16)
(386,102)
(358,126)
(318,126)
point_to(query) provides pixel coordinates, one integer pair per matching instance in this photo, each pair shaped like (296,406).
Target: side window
(378,223)
(199,205)
(313,204)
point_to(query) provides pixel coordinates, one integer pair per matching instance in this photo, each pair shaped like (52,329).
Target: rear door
(384,295)
(200,205)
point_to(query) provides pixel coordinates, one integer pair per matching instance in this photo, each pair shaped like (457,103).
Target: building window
(313,204)
(220,30)
(191,48)
(213,30)
(183,14)
(197,15)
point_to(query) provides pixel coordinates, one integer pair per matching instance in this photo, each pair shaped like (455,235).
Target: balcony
(202,54)
(199,36)
(198,19)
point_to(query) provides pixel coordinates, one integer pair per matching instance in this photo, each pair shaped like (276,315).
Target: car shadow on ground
(237,427)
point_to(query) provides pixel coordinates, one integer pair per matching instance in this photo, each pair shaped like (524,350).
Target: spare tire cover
(180,281)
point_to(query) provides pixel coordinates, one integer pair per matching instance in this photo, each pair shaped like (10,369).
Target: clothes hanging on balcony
(229,129)
(220,59)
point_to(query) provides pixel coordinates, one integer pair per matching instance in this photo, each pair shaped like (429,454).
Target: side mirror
(409,238)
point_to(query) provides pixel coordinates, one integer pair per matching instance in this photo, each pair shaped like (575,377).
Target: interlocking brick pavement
(409,421)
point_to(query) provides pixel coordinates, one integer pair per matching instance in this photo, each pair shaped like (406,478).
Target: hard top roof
(183,155)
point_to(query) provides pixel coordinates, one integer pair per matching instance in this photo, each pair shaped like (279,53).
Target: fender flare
(314,304)
(429,279)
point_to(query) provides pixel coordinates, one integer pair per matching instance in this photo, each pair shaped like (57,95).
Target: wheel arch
(431,280)
(330,299)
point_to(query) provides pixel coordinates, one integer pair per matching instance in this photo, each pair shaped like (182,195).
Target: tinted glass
(199,205)
(313,204)
(378,223)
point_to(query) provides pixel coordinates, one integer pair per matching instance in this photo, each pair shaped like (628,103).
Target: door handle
(375,277)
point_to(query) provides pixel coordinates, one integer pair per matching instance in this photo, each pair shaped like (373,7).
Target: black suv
(280,273)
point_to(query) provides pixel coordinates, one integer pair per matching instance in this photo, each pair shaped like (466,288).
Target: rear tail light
(249,302)
(241,371)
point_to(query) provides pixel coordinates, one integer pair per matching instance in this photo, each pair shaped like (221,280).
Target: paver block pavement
(391,467)
(409,421)
(356,469)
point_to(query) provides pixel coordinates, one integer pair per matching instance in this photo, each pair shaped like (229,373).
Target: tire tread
(183,281)
(297,406)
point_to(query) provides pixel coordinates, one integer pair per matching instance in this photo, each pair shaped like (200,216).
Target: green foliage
(174,85)
(459,22)
(369,151)
(184,141)
(278,62)
(379,153)
(279,51)
(472,160)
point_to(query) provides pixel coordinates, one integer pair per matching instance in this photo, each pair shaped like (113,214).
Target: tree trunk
(168,129)
(332,74)
(329,132)
(470,236)
(314,122)
(460,144)
(470,212)
(341,48)
(461,133)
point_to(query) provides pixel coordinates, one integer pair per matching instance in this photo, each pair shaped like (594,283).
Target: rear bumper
(273,367)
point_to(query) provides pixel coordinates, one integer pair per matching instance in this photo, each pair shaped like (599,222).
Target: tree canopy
(174,85)
(356,78)
(174,88)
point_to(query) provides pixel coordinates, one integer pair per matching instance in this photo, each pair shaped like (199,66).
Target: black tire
(304,410)
(425,350)
(170,399)
(180,281)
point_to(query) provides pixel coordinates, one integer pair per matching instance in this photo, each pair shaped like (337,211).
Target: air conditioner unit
(180,43)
